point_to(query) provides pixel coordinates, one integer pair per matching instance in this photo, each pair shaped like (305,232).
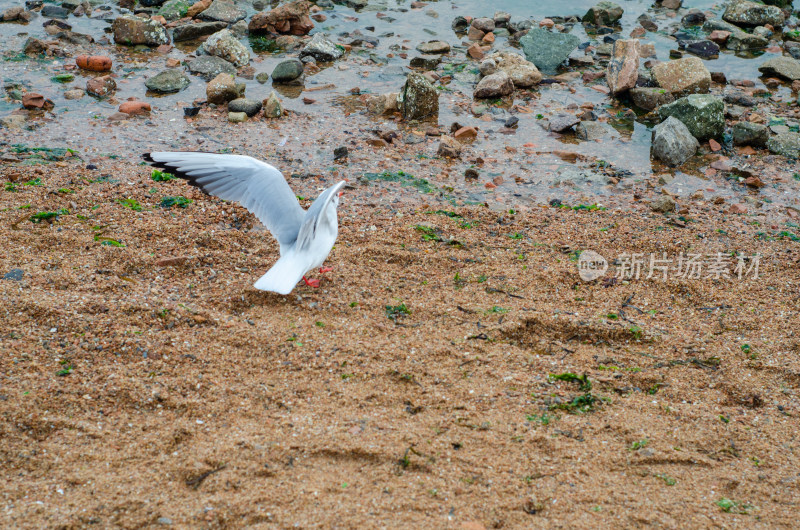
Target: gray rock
(51,11)
(743,41)
(195,31)
(225,45)
(164,521)
(649,98)
(433,47)
(132,31)
(493,86)
(548,50)
(747,13)
(418,99)
(248,106)
(322,49)
(223,11)
(672,143)
(14,121)
(784,67)
(703,48)
(703,115)
(483,24)
(590,130)
(208,67)
(747,133)
(787,144)
(262,77)
(426,62)
(563,123)
(168,81)
(287,71)
(663,205)
(487,67)
(603,14)
(14,275)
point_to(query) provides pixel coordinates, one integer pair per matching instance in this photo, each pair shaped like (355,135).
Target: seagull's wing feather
(255,185)
(313,215)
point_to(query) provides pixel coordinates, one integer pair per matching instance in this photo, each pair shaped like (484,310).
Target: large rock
(742,41)
(168,81)
(291,18)
(131,31)
(623,68)
(603,14)
(683,76)
(418,99)
(703,115)
(590,130)
(523,74)
(195,31)
(288,71)
(322,49)
(222,89)
(784,67)
(225,45)
(650,98)
(747,13)
(496,85)
(672,142)
(563,123)
(223,11)
(786,144)
(747,133)
(547,50)
(208,67)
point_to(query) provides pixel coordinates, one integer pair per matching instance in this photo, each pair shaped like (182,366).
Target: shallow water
(335,117)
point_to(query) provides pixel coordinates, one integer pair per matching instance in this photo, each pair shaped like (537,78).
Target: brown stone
(623,68)
(737,209)
(292,18)
(466,134)
(101,86)
(94,63)
(34,101)
(683,76)
(449,147)
(135,108)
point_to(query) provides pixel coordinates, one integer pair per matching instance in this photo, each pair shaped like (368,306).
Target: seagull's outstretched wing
(255,185)
(313,216)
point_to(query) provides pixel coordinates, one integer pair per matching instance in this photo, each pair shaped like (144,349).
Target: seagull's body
(306,237)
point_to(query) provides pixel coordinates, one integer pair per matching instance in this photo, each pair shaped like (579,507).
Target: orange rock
(94,63)
(488,38)
(719,36)
(746,151)
(466,133)
(173,63)
(714,145)
(547,23)
(135,108)
(475,51)
(490,185)
(33,101)
(737,209)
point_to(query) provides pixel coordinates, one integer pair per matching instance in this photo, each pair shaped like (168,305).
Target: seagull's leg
(323,270)
(311,283)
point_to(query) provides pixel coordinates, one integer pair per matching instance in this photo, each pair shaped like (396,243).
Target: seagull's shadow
(254,297)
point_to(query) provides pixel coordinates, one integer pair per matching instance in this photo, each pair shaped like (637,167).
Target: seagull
(306,237)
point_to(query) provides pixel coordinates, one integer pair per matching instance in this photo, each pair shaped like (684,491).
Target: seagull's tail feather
(283,276)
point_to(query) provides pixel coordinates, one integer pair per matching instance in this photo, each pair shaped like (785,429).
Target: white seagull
(306,237)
